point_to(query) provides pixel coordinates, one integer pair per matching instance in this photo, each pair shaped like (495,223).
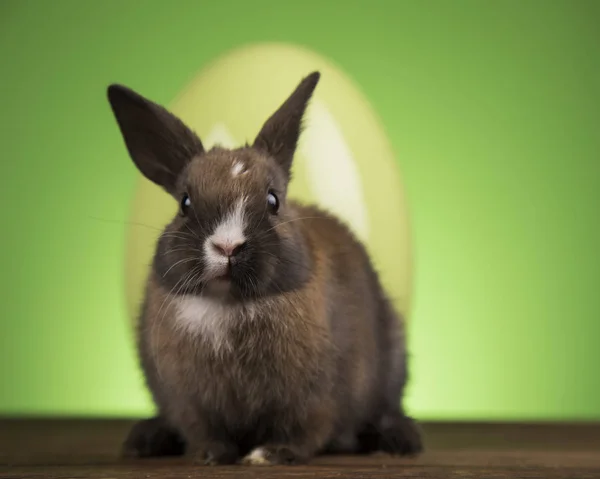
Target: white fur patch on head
(238,168)
(228,233)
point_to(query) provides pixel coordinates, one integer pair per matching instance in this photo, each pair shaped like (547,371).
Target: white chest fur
(209,318)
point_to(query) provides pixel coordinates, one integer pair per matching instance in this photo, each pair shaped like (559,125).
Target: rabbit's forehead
(221,164)
(227,176)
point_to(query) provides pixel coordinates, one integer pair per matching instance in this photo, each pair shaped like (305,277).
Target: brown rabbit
(265,335)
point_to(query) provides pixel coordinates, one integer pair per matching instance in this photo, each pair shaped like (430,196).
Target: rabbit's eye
(273,202)
(185,205)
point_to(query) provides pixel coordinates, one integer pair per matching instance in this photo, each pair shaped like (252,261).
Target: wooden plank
(89,449)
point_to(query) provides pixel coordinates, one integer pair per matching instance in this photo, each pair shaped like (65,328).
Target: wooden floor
(89,449)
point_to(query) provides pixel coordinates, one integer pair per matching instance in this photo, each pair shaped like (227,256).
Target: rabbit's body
(265,332)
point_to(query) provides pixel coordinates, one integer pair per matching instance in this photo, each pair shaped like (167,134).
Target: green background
(493,109)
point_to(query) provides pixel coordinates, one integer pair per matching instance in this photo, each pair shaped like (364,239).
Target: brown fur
(311,356)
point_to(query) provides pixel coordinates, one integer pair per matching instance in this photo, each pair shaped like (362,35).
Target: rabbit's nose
(228,249)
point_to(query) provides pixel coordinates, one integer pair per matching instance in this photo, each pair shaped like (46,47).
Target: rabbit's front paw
(153,437)
(273,455)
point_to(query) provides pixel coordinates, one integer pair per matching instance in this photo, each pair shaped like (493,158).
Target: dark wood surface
(89,449)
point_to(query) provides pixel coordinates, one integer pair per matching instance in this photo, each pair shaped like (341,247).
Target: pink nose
(228,249)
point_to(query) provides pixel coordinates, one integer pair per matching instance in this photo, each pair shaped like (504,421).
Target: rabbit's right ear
(158,142)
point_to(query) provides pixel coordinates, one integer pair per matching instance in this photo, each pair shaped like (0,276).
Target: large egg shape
(344,161)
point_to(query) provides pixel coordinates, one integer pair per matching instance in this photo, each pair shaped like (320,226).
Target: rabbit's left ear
(280,133)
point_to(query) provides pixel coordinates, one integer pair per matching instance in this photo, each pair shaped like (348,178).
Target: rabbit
(265,335)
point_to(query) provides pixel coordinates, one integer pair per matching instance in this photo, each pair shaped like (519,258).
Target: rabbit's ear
(279,135)
(158,142)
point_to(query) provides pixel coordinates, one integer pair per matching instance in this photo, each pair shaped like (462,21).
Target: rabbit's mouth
(225,272)
(226,276)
